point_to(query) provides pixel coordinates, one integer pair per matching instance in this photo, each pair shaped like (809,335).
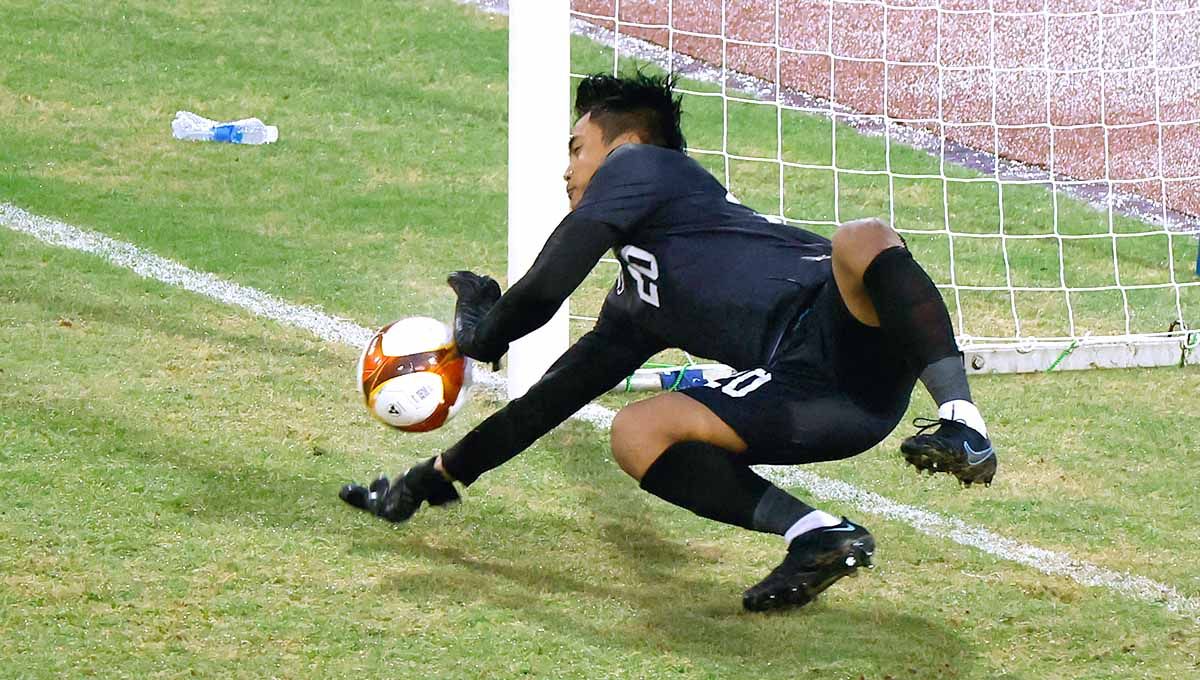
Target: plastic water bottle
(188,125)
(249,131)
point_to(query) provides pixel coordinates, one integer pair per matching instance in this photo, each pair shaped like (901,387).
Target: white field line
(347,332)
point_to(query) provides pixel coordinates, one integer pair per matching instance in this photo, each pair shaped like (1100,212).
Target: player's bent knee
(630,436)
(865,234)
(642,431)
(857,243)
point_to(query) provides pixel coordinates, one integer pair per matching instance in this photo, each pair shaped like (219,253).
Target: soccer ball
(412,375)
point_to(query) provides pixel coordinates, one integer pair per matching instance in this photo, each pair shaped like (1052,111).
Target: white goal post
(1067,116)
(539,119)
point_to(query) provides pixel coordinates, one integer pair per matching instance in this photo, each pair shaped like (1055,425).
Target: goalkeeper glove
(398,500)
(476,297)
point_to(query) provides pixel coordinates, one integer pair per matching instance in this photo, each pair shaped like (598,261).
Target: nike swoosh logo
(976,457)
(815,258)
(849,528)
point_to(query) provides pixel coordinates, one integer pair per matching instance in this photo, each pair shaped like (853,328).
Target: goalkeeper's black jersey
(699,271)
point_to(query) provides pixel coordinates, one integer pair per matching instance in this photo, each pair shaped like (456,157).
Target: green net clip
(1065,353)
(679,376)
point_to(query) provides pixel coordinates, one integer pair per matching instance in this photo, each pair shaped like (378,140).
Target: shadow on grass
(654,607)
(619,580)
(609,576)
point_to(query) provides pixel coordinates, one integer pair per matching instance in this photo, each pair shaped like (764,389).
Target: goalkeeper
(829,338)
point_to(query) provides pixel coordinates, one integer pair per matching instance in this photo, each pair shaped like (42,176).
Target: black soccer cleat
(953,448)
(397,501)
(815,560)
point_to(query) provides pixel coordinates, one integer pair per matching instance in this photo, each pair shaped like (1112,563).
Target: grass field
(169,465)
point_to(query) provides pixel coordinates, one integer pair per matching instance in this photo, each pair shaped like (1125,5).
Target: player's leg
(882,285)
(684,453)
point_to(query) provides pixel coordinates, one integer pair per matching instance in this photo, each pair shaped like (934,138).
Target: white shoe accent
(817,519)
(964,412)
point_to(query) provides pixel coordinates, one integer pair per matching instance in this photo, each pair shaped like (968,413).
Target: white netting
(1042,157)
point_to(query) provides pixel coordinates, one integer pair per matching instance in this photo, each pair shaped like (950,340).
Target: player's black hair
(640,102)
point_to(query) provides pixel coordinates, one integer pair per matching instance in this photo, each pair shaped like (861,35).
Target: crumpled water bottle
(188,125)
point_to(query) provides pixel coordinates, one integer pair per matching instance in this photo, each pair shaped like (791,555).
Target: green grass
(169,465)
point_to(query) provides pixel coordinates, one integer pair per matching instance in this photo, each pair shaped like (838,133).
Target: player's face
(587,152)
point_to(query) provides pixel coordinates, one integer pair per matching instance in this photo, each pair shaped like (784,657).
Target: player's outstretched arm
(597,362)
(593,365)
(490,324)
(397,501)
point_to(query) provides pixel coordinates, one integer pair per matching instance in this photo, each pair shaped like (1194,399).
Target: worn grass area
(169,465)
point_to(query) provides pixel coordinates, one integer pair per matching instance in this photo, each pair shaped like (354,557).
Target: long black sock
(708,481)
(946,379)
(778,510)
(913,315)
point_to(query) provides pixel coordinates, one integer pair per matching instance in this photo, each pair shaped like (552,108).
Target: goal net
(1040,157)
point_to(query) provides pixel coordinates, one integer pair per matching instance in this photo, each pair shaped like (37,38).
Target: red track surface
(1035,81)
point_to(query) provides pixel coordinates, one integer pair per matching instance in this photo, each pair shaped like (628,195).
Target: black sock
(946,379)
(911,311)
(778,510)
(707,480)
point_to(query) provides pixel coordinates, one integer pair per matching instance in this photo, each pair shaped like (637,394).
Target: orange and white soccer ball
(412,375)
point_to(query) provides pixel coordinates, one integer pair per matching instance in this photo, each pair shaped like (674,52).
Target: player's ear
(628,137)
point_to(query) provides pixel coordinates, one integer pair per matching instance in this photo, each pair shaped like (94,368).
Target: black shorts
(834,389)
